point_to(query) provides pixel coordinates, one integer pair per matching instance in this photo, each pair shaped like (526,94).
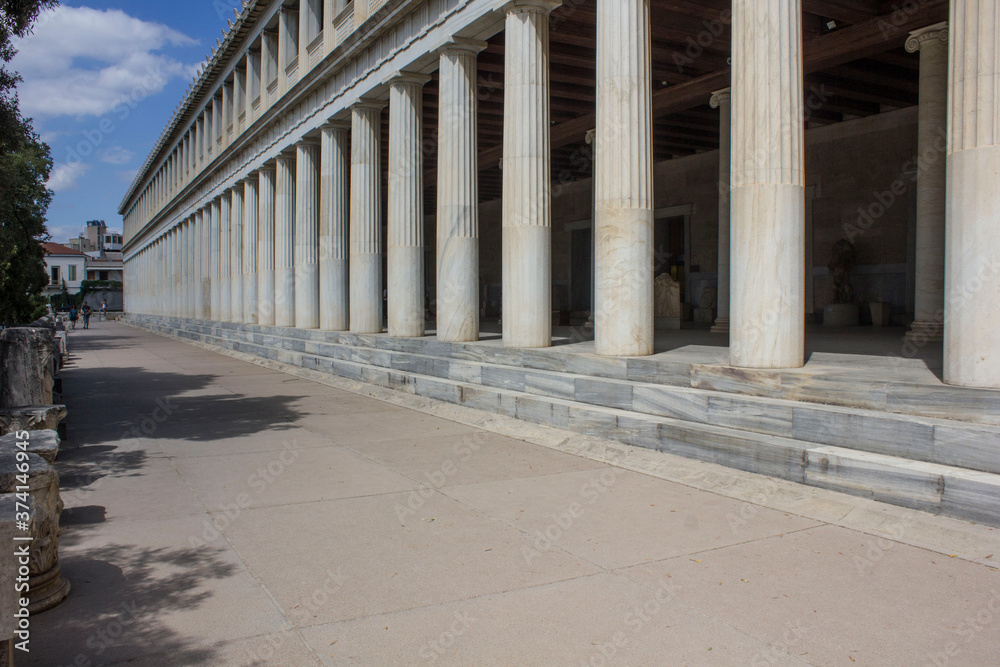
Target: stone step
(927,486)
(943,441)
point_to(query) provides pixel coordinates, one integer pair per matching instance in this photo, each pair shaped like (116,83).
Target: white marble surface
(932,43)
(284,242)
(334,222)
(265,256)
(972,256)
(527,167)
(307,235)
(215,260)
(767,262)
(457,195)
(251,229)
(225,257)
(405,215)
(366,218)
(205,257)
(722,100)
(236,255)
(623,181)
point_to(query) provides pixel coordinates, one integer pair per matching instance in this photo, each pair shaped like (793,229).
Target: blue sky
(101,79)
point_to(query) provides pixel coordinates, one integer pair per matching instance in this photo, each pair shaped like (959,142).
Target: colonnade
(298,242)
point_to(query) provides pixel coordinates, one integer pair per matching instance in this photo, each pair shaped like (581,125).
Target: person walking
(104,309)
(73,316)
(86,315)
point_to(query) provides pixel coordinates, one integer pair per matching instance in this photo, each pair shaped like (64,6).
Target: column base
(921,333)
(721,325)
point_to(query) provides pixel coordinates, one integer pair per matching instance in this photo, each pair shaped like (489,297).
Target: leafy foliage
(25,163)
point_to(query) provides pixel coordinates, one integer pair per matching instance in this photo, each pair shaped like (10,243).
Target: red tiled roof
(59,249)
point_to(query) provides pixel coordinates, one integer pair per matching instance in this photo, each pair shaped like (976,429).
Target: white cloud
(82,61)
(115,155)
(65,176)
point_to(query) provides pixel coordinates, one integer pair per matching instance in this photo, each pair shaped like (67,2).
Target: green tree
(25,163)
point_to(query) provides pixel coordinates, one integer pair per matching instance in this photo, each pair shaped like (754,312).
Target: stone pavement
(220,512)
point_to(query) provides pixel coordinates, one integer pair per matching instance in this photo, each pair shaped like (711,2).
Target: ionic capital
(937,32)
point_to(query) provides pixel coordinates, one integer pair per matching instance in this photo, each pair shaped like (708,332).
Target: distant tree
(25,163)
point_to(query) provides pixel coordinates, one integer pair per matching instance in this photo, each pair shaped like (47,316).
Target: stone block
(685,405)
(607,393)
(8,565)
(40,417)
(26,367)
(44,443)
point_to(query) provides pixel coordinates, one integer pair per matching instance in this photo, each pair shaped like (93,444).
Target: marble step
(947,442)
(871,383)
(931,487)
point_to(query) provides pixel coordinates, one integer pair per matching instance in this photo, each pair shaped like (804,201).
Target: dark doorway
(581,263)
(669,249)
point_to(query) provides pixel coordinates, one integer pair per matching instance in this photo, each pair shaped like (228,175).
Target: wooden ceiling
(853,54)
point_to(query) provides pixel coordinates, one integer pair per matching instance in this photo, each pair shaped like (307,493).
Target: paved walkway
(223,513)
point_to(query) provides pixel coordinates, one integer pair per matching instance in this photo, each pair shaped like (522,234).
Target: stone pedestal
(284,242)
(265,256)
(307,235)
(47,586)
(932,144)
(972,261)
(44,443)
(366,218)
(405,262)
(623,180)
(334,221)
(767,328)
(9,598)
(26,367)
(527,166)
(457,195)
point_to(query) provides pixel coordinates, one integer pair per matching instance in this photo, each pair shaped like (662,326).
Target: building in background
(97,238)
(67,268)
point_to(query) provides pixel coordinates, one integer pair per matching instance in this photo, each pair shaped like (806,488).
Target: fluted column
(198,277)
(225,257)
(405,262)
(527,168)
(721,101)
(265,257)
(189,269)
(307,235)
(216,261)
(206,263)
(250,231)
(236,255)
(768,195)
(284,242)
(366,219)
(624,180)
(334,221)
(932,146)
(172,274)
(972,237)
(457,194)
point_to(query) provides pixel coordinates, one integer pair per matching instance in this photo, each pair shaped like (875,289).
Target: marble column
(334,222)
(405,262)
(215,258)
(236,255)
(457,194)
(284,242)
(767,260)
(932,146)
(206,263)
(172,273)
(225,257)
(189,267)
(197,279)
(366,218)
(721,101)
(624,180)
(250,249)
(265,257)
(307,235)
(972,208)
(527,177)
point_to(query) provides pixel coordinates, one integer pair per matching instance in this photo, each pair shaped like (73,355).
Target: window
(72,272)
(55,275)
